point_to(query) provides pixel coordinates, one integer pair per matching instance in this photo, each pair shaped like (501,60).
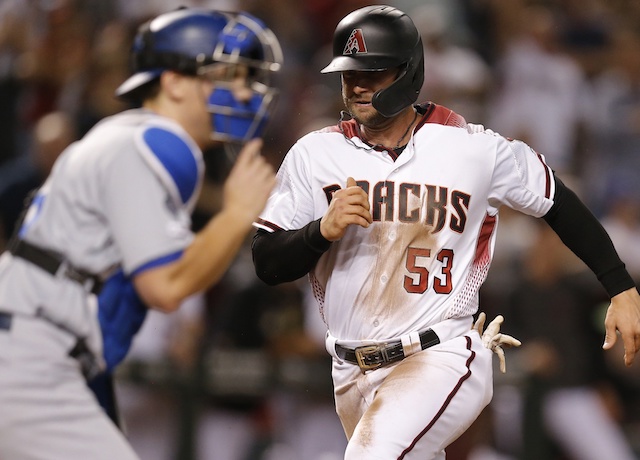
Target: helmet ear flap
(404,91)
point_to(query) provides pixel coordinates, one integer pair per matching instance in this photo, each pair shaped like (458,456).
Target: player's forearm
(202,264)
(288,255)
(581,232)
(213,250)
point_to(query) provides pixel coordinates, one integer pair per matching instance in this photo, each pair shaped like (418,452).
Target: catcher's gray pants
(46,408)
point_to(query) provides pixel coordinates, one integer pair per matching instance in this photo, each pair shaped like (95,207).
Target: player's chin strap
(345,117)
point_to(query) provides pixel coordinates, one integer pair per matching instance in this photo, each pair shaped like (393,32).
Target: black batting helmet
(381,37)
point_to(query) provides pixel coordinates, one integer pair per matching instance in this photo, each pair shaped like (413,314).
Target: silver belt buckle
(361,352)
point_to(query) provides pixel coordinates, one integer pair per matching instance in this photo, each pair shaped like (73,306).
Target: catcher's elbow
(161,298)
(167,306)
(161,289)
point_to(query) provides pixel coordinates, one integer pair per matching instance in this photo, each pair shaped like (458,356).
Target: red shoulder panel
(443,116)
(349,128)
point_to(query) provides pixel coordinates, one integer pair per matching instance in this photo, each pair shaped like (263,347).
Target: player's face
(235,77)
(358,88)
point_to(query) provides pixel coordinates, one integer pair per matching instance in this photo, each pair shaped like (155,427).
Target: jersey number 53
(441,282)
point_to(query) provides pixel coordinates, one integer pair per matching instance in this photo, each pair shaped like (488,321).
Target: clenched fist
(349,206)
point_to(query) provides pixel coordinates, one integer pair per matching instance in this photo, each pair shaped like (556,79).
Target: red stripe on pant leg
(446,402)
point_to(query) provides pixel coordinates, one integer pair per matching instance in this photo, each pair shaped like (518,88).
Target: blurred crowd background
(240,372)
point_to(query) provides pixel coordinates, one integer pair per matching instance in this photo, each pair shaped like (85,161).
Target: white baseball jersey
(121,196)
(435,212)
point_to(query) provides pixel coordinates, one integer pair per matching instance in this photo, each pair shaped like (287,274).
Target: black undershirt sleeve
(581,232)
(287,255)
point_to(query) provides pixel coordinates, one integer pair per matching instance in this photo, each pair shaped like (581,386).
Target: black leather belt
(369,357)
(51,263)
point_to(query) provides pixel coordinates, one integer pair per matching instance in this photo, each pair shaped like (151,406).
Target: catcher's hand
(493,339)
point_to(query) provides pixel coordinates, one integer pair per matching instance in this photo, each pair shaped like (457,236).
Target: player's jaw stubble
(365,114)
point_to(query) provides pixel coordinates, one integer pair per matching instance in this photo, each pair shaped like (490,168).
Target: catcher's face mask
(247,54)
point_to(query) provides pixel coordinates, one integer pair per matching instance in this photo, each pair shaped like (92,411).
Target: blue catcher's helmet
(202,42)
(182,40)
(254,52)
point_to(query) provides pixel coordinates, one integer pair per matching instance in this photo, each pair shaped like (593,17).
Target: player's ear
(173,84)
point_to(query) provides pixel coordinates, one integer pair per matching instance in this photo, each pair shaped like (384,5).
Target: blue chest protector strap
(121,313)
(102,387)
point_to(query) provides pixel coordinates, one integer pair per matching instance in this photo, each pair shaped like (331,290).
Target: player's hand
(623,315)
(494,340)
(250,182)
(349,206)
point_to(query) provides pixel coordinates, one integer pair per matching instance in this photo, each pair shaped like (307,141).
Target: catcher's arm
(493,339)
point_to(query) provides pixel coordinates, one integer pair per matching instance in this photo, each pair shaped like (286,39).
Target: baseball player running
(393,214)
(116,209)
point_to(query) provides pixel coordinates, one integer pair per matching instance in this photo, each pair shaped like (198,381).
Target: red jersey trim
(269,225)
(444,116)
(547,188)
(488,227)
(441,115)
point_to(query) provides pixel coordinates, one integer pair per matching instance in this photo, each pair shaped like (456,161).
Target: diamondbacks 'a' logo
(355,43)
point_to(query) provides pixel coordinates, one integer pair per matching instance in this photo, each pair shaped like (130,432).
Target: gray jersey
(121,196)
